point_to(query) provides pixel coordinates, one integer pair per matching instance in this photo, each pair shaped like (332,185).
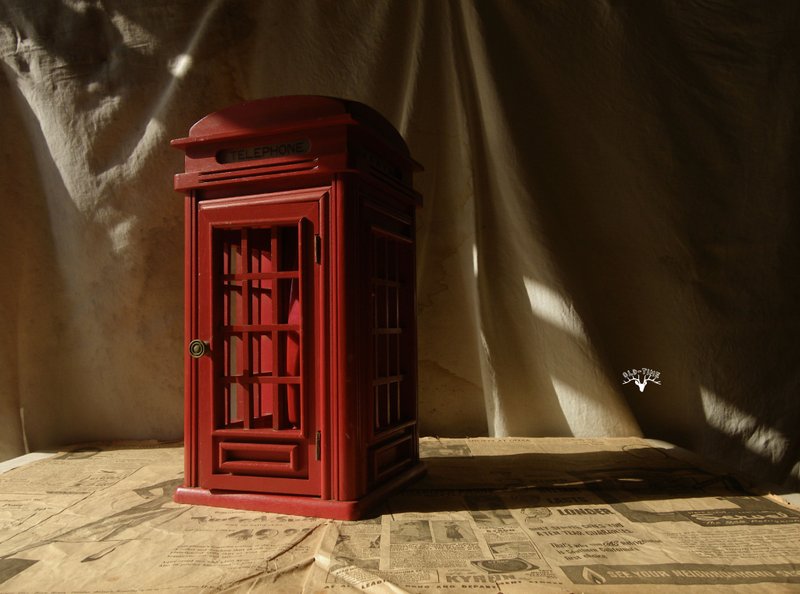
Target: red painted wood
(301,506)
(271,211)
(190,330)
(299,230)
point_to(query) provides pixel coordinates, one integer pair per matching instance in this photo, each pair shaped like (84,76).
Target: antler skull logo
(641,377)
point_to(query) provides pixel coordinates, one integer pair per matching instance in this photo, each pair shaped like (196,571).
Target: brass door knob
(198,348)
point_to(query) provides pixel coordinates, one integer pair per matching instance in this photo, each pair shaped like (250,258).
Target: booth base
(300,505)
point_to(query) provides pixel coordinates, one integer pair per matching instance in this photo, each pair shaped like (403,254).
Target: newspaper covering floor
(496,515)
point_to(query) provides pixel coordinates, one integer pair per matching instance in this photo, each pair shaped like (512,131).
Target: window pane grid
(389,293)
(261,328)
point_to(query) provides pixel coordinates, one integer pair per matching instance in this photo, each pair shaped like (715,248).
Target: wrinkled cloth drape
(608,186)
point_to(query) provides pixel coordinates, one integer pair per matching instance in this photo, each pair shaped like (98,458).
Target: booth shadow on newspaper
(542,483)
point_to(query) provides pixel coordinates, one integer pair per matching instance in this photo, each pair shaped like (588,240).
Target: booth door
(258,308)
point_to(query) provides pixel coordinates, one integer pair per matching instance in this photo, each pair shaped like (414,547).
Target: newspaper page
(102,519)
(511,516)
(565,515)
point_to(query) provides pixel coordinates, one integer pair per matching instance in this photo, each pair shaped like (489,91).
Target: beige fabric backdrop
(608,185)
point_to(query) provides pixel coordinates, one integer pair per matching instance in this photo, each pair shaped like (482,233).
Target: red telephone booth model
(301,379)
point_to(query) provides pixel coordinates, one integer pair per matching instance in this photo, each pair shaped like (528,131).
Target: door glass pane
(381,406)
(379,257)
(289,296)
(232,404)
(261,354)
(289,247)
(392,263)
(393,355)
(289,353)
(293,406)
(391,307)
(233,356)
(260,247)
(261,302)
(381,356)
(260,310)
(393,393)
(381,307)
(231,253)
(232,303)
(267,398)
(262,395)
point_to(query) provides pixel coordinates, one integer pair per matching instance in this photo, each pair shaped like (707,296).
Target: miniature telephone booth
(301,378)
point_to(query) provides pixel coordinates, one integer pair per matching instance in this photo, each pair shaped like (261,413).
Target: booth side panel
(390,387)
